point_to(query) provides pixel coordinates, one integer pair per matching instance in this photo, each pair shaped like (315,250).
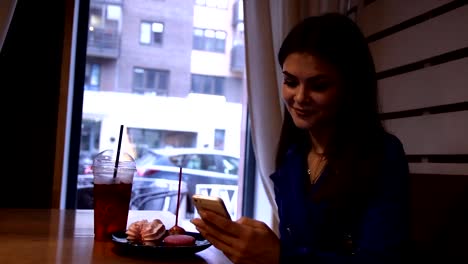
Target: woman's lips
(303,112)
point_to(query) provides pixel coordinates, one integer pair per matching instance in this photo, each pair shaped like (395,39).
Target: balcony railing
(104,43)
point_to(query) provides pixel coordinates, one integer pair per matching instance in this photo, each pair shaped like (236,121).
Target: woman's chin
(304,123)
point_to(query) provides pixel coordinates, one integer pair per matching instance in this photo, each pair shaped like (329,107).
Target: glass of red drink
(112,191)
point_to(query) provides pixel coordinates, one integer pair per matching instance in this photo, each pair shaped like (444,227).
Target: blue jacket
(314,231)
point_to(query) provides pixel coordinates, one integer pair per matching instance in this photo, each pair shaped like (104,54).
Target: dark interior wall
(30,68)
(421,61)
(439,209)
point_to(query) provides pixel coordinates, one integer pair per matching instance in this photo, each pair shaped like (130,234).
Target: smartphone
(212,203)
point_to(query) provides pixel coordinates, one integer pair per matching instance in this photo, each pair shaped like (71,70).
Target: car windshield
(216,162)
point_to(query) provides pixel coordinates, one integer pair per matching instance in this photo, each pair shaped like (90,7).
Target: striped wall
(420,48)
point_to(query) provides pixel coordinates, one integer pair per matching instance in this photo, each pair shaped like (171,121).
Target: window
(104,16)
(150,81)
(209,40)
(205,84)
(90,136)
(92,76)
(186,119)
(151,33)
(219,139)
(103,27)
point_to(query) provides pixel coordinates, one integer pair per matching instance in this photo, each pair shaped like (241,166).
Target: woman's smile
(301,112)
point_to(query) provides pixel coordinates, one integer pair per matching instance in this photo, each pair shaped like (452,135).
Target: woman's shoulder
(395,164)
(393,147)
(292,159)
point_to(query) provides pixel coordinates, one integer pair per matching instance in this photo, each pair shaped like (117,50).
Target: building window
(212,3)
(151,33)
(206,84)
(92,76)
(209,40)
(150,81)
(219,136)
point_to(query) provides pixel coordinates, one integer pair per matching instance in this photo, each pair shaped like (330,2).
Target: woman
(341,180)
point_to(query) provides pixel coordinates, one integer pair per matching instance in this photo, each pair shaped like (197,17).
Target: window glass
(169,80)
(208,84)
(158,29)
(95,16)
(209,40)
(150,81)
(113,12)
(151,32)
(194,162)
(92,76)
(219,138)
(145,33)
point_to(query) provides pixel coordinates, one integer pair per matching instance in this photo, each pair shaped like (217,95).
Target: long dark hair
(355,148)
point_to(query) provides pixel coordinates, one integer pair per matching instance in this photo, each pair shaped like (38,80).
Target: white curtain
(7,7)
(266,24)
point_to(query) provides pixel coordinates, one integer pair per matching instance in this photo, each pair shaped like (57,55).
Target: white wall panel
(383,14)
(439,168)
(436,36)
(437,85)
(432,134)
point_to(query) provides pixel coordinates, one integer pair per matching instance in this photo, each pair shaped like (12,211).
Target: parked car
(85,162)
(200,166)
(188,158)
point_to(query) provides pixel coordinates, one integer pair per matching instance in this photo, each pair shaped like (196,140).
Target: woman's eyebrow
(318,77)
(289,75)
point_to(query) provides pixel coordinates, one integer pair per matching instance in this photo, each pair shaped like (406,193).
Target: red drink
(111,204)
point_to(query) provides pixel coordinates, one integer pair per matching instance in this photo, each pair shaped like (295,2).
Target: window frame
(211,80)
(156,82)
(205,42)
(72,156)
(152,41)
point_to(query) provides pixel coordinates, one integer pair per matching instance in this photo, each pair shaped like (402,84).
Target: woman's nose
(301,95)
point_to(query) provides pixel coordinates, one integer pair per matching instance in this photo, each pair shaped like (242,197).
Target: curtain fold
(263,99)
(266,24)
(7,8)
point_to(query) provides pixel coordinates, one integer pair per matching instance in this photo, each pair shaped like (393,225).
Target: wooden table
(67,236)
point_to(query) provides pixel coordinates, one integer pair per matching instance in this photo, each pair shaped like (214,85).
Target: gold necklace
(317,164)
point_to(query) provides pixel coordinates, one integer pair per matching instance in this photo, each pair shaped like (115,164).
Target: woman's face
(310,90)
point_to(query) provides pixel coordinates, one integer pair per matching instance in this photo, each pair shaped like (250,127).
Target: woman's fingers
(222,241)
(227,226)
(252,223)
(240,240)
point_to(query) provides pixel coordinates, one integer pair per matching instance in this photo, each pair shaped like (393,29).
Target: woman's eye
(320,86)
(290,83)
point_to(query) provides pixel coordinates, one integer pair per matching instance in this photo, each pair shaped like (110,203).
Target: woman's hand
(243,241)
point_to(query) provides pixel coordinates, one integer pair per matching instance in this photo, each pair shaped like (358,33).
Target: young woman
(341,180)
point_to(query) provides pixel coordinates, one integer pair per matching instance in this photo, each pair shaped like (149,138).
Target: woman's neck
(319,139)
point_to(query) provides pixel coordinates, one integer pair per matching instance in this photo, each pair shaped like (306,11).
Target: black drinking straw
(178,196)
(118,152)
